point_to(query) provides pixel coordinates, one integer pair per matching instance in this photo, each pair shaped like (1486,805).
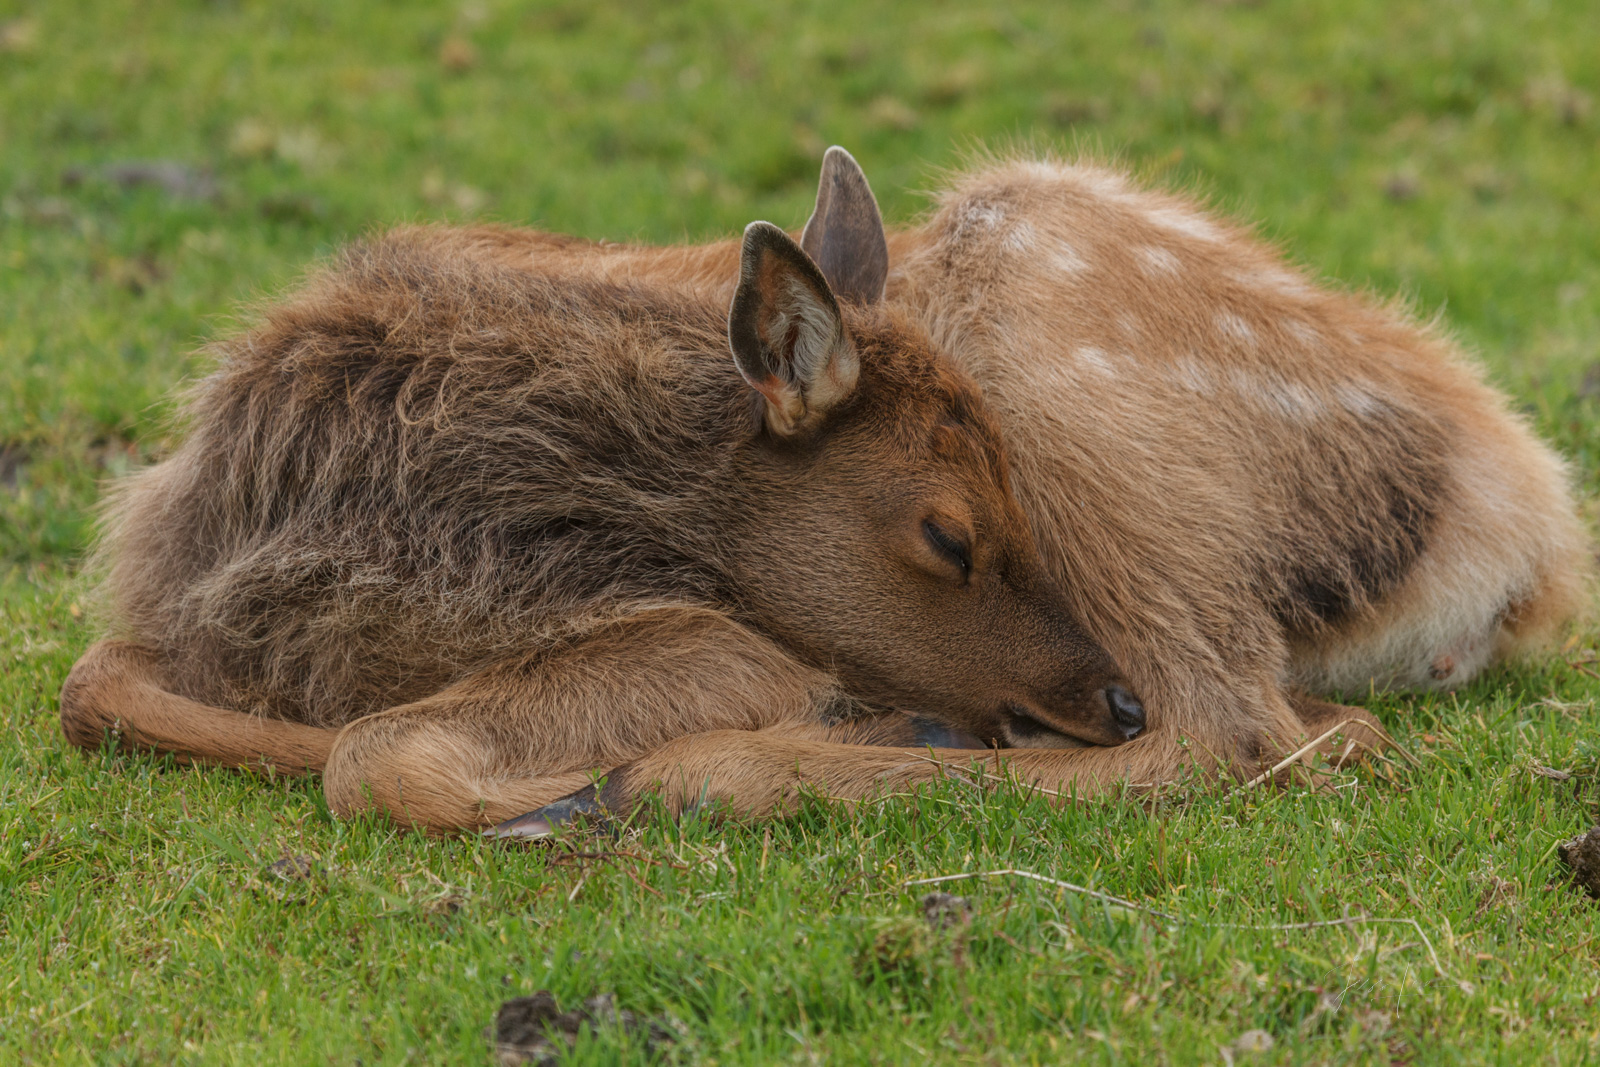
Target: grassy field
(1446,151)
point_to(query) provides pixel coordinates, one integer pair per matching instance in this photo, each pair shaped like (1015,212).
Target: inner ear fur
(786,334)
(845,232)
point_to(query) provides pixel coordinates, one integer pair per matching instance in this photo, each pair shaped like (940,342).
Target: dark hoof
(937,735)
(585,803)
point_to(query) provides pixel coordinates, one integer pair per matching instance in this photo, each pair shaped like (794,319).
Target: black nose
(1126,709)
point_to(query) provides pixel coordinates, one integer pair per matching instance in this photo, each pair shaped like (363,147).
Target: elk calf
(1249,492)
(460,536)
(1253,488)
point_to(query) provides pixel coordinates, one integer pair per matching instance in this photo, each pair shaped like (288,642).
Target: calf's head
(879,536)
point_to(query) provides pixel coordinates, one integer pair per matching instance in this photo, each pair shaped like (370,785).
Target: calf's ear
(845,232)
(786,334)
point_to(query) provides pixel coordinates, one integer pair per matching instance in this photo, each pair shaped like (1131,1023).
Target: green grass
(1444,151)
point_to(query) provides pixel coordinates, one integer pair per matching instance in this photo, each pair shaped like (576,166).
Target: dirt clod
(535,1029)
(1582,855)
(457,55)
(945,910)
(1402,186)
(293,868)
(178,180)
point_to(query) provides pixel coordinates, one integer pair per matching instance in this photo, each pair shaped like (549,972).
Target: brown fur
(1037,275)
(1247,485)
(503,529)
(1246,482)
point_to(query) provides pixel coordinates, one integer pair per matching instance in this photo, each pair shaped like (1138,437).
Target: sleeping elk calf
(1253,489)
(460,537)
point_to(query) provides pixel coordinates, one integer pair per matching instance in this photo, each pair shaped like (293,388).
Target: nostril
(1126,709)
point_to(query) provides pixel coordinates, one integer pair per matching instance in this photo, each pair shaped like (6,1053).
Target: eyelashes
(948,546)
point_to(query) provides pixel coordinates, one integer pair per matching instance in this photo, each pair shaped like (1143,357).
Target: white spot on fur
(1063,257)
(1284,282)
(1191,374)
(1156,261)
(1234,328)
(976,219)
(1291,400)
(1184,222)
(1273,280)
(1303,333)
(1066,373)
(1105,183)
(1021,238)
(982,215)
(1295,401)
(1095,358)
(1358,401)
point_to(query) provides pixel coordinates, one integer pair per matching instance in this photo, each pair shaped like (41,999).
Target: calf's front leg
(762,773)
(530,730)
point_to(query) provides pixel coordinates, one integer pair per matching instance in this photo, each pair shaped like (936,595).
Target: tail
(119,686)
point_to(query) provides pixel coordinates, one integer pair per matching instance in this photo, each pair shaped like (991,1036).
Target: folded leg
(763,773)
(526,732)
